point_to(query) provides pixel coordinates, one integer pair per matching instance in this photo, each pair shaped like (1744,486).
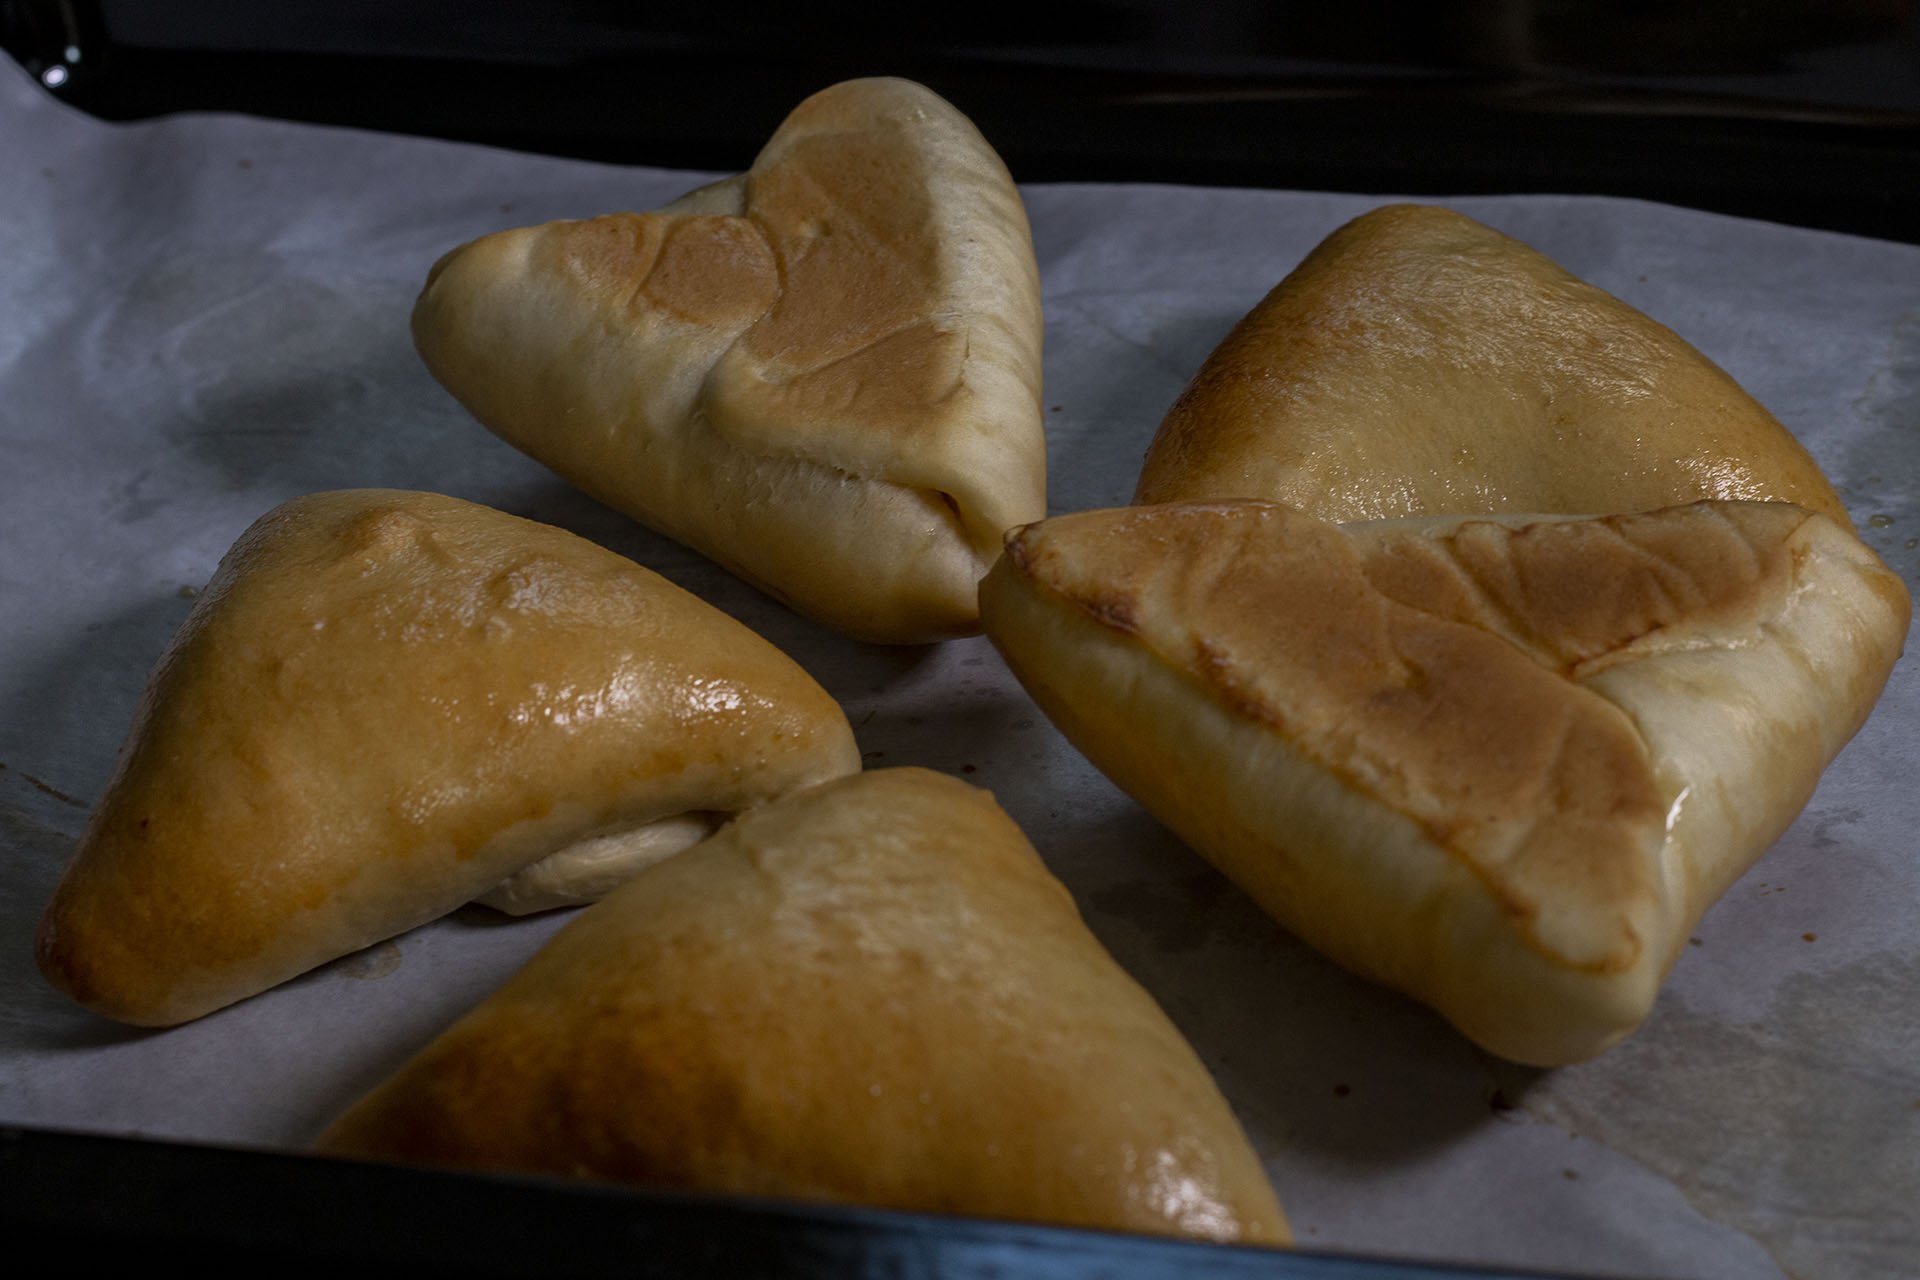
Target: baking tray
(110,1202)
(138,451)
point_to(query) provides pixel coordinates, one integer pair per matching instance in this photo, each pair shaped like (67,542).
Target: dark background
(1803,111)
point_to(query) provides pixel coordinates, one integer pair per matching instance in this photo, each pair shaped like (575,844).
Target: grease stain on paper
(47,789)
(1778,1129)
(380,960)
(261,373)
(1176,914)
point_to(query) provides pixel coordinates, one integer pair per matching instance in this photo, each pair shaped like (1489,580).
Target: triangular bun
(871,991)
(823,373)
(1500,763)
(385,704)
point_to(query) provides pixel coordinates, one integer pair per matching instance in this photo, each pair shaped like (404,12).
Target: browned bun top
(1418,362)
(1500,762)
(823,372)
(1378,663)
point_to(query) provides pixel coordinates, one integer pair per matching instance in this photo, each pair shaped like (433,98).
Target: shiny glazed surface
(1418,362)
(870,991)
(385,704)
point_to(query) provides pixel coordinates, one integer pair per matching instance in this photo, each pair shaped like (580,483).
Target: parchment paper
(202,317)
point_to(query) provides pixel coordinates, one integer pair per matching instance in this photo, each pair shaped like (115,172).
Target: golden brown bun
(1500,763)
(823,373)
(1418,362)
(870,991)
(384,705)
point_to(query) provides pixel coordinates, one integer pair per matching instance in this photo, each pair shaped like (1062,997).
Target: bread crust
(1418,362)
(870,991)
(823,373)
(385,704)
(1500,763)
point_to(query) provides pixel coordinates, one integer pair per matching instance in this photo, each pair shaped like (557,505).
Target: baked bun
(871,991)
(823,373)
(386,704)
(1418,362)
(1500,763)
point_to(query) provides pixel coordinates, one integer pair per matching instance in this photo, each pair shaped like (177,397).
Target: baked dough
(1500,763)
(870,991)
(823,373)
(386,704)
(1418,362)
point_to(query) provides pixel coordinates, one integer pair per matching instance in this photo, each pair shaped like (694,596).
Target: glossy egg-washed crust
(823,373)
(1500,763)
(1417,362)
(869,991)
(385,704)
